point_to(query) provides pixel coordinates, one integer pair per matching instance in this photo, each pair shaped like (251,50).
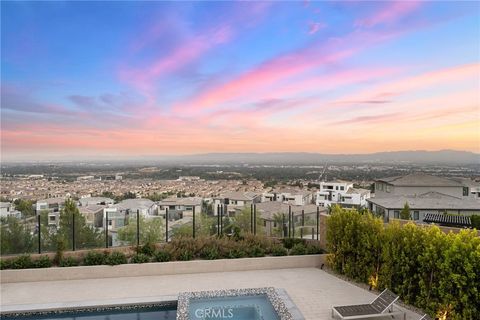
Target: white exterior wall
(326,197)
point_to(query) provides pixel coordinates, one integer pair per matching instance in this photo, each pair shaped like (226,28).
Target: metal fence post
(303,223)
(222,207)
(73,231)
(251,217)
(194,227)
(166,224)
(289,221)
(283,225)
(106,229)
(254,219)
(39,234)
(293,224)
(318,221)
(138,228)
(218,220)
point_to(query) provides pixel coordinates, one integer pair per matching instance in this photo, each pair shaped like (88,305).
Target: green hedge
(426,267)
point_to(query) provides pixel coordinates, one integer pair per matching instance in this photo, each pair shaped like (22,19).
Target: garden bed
(235,254)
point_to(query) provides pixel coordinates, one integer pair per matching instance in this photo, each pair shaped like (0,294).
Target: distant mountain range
(411,157)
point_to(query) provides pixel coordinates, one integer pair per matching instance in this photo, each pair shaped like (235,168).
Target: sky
(129,79)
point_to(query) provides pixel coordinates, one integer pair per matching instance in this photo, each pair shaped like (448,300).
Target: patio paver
(313,291)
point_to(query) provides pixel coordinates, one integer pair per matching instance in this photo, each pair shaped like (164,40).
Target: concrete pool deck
(314,291)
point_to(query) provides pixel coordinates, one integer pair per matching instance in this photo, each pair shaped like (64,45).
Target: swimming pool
(233,304)
(255,307)
(163,311)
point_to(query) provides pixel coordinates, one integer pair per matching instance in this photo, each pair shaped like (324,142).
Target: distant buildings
(7,209)
(84,178)
(342,193)
(290,196)
(179,208)
(235,200)
(424,194)
(144,207)
(52,206)
(420,205)
(95,201)
(274,213)
(419,183)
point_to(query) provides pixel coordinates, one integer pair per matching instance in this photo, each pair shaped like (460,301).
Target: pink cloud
(390,13)
(314,27)
(282,68)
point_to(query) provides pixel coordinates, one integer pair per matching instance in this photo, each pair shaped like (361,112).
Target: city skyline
(125,79)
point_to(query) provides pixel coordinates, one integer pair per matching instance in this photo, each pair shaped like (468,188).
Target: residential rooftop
(421,180)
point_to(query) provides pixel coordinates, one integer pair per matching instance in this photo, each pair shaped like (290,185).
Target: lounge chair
(382,306)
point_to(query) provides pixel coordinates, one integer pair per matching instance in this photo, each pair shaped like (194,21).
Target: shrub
(147,249)
(298,250)
(93,258)
(475,221)
(162,256)
(60,248)
(355,240)
(426,267)
(185,255)
(178,247)
(279,250)
(5,264)
(236,253)
(140,258)
(210,253)
(68,262)
(42,262)
(262,242)
(313,249)
(116,258)
(22,262)
(256,251)
(290,242)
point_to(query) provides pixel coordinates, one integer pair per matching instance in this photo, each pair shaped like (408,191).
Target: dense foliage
(426,267)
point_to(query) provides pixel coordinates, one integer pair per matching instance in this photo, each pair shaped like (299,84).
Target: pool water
(254,307)
(133,313)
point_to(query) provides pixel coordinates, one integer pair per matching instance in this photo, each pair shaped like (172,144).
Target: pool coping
(275,297)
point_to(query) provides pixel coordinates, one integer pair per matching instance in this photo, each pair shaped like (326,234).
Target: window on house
(396,214)
(342,188)
(465,191)
(416,215)
(388,188)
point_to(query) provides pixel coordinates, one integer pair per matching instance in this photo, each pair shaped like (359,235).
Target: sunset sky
(93,80)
